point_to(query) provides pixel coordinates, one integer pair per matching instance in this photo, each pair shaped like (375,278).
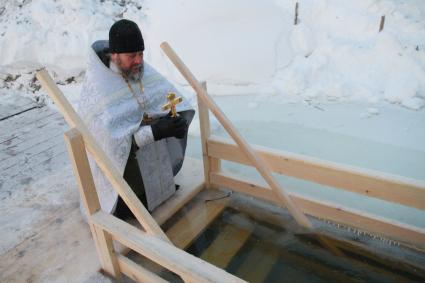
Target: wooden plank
(259,164)
(215,166)
(387,266)
(137,272)
(82,171)
(232,182)
(366,182)
(12,181)
(32,159)
(39,166)
(204,126)
(39,132)
(88,194)
(31,148)
(194,222)
(24,123)
(106,252)
(13,103)
(259,262)
(407,234)
(319,269)
(191,182)
(226,245)
(102,160)
(161,252)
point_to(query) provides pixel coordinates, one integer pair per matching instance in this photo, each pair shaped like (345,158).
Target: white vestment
(112,114)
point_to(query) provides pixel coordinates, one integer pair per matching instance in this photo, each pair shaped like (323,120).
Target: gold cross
(172,102)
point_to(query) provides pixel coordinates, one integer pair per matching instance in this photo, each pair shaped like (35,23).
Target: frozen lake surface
(384,139)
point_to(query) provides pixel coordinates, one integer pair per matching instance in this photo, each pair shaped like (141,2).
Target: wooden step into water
(226,245)
(259,262)
(194,222)
(189,223)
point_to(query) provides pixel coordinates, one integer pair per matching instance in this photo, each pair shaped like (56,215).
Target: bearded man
(121,103)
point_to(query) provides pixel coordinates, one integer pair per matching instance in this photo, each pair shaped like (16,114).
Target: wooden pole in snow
(245,147)
(296,14)
(381,25)
(256,160)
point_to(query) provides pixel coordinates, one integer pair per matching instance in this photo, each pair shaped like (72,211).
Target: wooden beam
(107,254)
(204,127)
(194,222)
(244,146)
(210,163)
(230,240)
(187,266)
(80,164)
(366,182)
(82,171)
(137,272)
(407,234)
(388,264)
(259,262)
(102,160)
(215,166)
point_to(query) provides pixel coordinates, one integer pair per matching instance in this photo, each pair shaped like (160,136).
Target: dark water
(258,251)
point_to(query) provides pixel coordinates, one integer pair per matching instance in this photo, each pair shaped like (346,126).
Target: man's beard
(134,73)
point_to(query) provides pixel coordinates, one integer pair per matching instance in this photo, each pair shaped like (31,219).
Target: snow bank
(55,34)
(222,42)
(335,53)
(340,54)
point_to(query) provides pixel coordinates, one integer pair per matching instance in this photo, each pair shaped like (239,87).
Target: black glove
(167,127)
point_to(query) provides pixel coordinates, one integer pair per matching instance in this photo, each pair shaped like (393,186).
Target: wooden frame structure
(152,242)
(370,183)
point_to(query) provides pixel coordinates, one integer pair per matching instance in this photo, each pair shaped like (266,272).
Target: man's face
(128,63)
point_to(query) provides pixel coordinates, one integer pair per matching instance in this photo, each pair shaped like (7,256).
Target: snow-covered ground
(331,86)
(335,52)
(333,58)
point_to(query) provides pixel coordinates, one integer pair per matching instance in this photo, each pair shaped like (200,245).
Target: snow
(332,86)
(239,47)
(332,72)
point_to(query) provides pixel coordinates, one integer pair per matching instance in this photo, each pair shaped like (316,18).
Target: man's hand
(167,127)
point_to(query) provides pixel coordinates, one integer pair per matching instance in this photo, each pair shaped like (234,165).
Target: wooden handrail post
(87,189)
(80,164)
(102,160)
(204,128)
(211,164)
(245,147)
(256,160)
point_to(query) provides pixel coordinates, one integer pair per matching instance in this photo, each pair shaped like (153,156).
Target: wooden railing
(150,241)
(387,187)
(367,182)
(390,188)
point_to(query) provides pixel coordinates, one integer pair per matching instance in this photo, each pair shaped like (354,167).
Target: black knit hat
(125,37)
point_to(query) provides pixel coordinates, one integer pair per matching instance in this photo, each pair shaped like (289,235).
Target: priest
(122,103)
